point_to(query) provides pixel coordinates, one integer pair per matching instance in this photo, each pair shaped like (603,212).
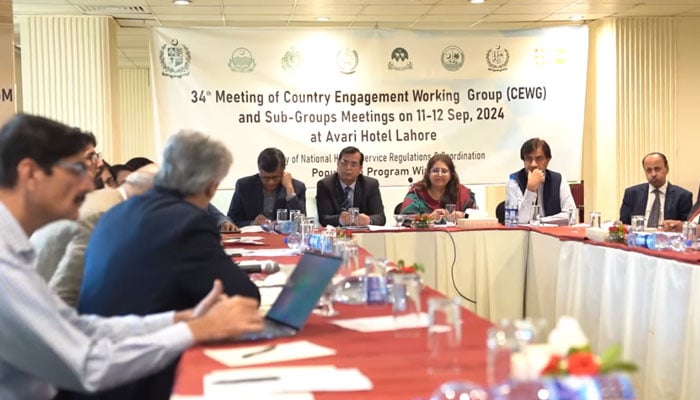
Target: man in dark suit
(347,188)
(658,199)
(161,251)
(257,197)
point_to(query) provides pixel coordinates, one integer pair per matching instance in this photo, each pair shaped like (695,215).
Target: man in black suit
(161,250)
(349,188)
(658,200)
(257,197)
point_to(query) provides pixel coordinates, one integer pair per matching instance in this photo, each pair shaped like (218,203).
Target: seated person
(60,245)
(120,172)
(347,188)
(658,200)
(105,177)
(257,197)
(439,186)
(161,250)
(541,186)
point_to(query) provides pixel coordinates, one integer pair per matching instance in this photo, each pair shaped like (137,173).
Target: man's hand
(535,179)
(287,183)
(259,220)
(345,218)
(227,318)
(362,219)
(215,295)
(228,227)
(672,225)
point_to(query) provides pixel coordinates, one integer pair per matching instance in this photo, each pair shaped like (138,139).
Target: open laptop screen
(304,287)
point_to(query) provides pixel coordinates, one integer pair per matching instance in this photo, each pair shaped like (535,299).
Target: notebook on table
(298,298)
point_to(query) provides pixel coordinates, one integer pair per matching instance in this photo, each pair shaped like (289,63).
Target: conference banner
(398,96)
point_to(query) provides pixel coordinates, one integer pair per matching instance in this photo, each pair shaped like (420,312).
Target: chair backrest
(397,209)
(577,194)
(501,212)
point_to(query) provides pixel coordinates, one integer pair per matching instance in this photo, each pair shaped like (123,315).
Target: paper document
(239,356)
(383,323)
(259,383)
(252,229)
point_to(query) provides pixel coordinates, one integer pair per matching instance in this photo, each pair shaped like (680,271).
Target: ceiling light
(476,1)
(182,2)
(323,19)
(576,18)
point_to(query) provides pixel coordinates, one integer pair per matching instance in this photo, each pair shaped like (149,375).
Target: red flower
(583,363)
(552,367)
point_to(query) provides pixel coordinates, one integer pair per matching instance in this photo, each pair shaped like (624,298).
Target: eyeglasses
(270,178)
(93,157)
(436,171)
(77,168)
(351,164)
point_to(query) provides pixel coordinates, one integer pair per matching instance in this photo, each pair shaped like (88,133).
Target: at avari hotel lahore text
(433,108)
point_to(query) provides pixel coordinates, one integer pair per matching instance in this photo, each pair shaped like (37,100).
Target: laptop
(298,298)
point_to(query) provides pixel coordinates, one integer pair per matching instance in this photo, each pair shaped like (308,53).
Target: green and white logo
(241,60)
(292,60)
(175,59)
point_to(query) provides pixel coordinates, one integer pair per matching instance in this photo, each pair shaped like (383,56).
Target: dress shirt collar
(662,189)
(14,236)
(123,193)
(352,186)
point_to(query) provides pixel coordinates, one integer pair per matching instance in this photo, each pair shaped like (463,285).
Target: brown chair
(577,193)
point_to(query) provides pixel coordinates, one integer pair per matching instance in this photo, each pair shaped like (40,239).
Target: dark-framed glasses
(93,157)
(77,168)
(271,178)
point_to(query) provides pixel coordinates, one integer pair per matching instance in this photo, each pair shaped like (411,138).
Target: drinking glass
(354,213)
(405,303)
(573,216)
(325,302)
(639,223)
(444,334)
(399,219)
(595,219)
(451,213)
(535,218)
(282,214)
(454,390)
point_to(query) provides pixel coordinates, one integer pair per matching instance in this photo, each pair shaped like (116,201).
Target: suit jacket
(696,207)
(154,253)
(247,201)
(329,198)
(634,202)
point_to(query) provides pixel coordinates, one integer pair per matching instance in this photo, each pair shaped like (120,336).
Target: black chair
(501,212)
(397,209)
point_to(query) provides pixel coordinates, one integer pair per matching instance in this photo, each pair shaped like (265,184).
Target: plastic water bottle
(511,217)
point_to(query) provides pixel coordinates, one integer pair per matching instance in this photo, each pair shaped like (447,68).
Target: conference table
(646,300)
(396,363)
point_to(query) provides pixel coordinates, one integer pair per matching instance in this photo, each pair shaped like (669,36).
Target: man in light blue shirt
(44,344)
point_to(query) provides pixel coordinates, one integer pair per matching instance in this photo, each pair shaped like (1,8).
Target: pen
(261,351)
(247,380)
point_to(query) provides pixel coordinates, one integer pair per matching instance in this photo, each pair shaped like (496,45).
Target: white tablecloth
(648,304)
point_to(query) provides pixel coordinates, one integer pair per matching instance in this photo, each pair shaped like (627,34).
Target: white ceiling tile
(327,10)
(514,17)
(389,10)
(655,9)
(464,9)
(258,10)
(186,10)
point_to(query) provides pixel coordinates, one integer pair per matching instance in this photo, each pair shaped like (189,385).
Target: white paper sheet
(252,229)
(298,350)
(258,383)
(383,323)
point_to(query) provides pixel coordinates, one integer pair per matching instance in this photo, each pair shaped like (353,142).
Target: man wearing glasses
(257,197)
(348,188)
(541,186)
(44,343)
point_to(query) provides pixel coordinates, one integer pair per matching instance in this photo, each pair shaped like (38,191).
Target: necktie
(347,200)
(655,212)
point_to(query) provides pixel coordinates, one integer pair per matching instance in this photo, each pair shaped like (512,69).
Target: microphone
(262,266)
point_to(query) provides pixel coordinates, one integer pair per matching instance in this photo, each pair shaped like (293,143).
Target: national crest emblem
(175,59)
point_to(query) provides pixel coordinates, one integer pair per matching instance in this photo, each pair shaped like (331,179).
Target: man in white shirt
(539,186)
(658,200)
(45,344)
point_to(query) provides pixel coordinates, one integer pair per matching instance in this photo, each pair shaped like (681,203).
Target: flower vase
(616,238)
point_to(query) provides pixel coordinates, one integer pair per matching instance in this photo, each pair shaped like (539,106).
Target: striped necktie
(347,199)
(655,212)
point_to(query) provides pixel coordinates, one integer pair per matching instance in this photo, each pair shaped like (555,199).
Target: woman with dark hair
(440,186)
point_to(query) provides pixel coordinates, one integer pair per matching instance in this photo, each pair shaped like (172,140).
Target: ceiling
(136,16)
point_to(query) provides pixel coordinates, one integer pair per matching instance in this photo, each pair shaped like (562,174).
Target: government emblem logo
(452,58)
(292,60)
(175,59)
(241,60)
(399,60)
(347,61)
(497,59)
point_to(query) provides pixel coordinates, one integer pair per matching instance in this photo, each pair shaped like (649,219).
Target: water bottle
(511,217)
